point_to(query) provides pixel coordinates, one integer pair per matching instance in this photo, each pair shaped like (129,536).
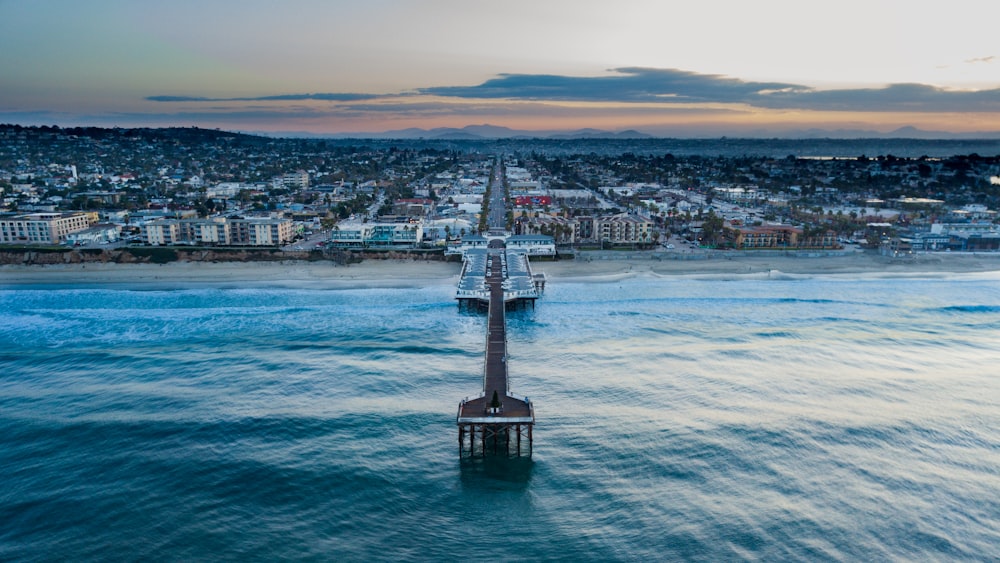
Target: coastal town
(183,187)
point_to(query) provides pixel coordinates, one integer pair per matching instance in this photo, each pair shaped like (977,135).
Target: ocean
(803,418)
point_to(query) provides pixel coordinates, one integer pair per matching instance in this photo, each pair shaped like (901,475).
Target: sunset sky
(685,68)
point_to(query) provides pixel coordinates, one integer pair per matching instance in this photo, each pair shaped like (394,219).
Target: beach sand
(405,273)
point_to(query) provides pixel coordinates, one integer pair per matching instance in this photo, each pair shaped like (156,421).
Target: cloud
(677,86)
(663,87)
(327,97)
(632,84)
(892,98)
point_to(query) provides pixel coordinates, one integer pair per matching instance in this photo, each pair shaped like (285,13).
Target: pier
(496,418)
(496,421)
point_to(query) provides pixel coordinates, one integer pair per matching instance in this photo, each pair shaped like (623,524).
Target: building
(212,231)
(252,231)
(160,232)
(413,207)
(767,236)
(98,234)
(976,241)
(41,228)
(532,245)
(295,180)
(742,194)
(524,200)
(260,231)
(376,235)
(623,229)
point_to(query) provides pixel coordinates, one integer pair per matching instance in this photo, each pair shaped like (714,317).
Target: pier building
(518,284)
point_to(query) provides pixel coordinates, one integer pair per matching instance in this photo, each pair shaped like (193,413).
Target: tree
(711,229)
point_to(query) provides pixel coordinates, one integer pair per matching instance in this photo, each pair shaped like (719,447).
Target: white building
(533,245)
(373,235)
(295,180)
(98,234)
(227,189)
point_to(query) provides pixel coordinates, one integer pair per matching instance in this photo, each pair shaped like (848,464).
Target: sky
(668,67)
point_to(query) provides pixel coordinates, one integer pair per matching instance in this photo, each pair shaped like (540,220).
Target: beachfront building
(620,229)
(211,232)
(218,231)
(41,228)
(160,232)
(532,245)
(261,231)
(623,229)
(976,241)
(767,236)
(468,242)
(376,235)
(98,234)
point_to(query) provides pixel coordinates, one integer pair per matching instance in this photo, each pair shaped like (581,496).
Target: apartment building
(161,232)
(623,229)
(295,180)
(260,231)
(252,231)
(768,236)
(612,229)
(41,228)
(212,231)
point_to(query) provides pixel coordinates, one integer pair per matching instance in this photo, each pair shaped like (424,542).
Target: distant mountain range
(486,131)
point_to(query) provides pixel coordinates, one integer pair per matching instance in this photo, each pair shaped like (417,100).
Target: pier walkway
(496,414)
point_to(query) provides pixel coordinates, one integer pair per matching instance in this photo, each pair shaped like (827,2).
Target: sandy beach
(405,273)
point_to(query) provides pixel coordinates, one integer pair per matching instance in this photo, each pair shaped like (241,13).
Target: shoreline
(411,273)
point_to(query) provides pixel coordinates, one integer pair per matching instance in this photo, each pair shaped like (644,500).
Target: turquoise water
(707,419)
